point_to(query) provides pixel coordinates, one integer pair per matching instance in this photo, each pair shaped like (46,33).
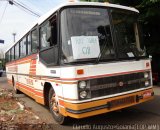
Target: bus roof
(48,14)
(44,17)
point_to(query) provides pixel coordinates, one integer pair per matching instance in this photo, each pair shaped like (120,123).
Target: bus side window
(12,53)
(48,42)
(45,35)
(53,31)
(48,33)
(17,51)
(34,41)
(23,47)
(29,44)
(7,57)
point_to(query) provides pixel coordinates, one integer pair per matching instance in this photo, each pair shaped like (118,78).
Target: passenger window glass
(17,51)
(48,33)
(34,41)
(7,57)
(45,35)
(53,31)
(23,47)
(29,44)
(12,53)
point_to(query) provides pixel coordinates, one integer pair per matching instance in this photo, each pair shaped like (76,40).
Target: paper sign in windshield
(130,54)
(85,47)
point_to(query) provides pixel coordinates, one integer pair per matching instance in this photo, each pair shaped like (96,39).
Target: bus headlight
(146,83)
(83,94)
(82,84)
(146,75)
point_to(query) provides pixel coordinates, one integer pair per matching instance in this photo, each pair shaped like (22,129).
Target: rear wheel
(14,86)
(54,108)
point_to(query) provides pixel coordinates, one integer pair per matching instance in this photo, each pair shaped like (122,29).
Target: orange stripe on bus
(34,69)
(105,75)
(22,59)
(61,102)
(33,62)
(30,89)
(33,66)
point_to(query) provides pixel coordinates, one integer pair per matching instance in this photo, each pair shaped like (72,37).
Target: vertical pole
(14,37)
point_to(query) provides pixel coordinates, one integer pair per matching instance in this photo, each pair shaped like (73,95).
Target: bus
(82,59)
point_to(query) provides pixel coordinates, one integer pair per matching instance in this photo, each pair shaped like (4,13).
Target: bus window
(23,47)
(17,51)
(53,31)
(29,44)
(90,25)
(12,53)
(126,30)
(48,33)
(7,57)
(45,34)
(34,38)
(48,39)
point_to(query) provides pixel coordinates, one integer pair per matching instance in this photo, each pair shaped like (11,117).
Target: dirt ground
(15,114)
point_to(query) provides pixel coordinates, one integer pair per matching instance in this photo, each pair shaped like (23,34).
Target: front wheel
(54,108)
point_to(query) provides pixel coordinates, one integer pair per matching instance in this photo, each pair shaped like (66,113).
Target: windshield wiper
(103,49)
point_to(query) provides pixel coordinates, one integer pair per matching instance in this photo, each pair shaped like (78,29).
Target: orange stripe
(32,72)
(61,102)
(27,87)
(23,59)
(33,62)
(105,75)
(33,66)
(34,69)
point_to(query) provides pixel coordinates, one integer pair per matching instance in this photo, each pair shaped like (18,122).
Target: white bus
(82,59)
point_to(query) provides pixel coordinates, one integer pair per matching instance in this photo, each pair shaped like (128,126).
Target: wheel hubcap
(54,104)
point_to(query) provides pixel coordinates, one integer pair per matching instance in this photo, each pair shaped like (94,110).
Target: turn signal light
(80,71)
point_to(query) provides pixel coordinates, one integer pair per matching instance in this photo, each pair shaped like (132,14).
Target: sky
(17,21)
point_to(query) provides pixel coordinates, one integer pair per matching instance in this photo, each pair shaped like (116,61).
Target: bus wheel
(54,108)
(14,86)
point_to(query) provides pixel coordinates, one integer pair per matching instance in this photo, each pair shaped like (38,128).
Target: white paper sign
(85,47)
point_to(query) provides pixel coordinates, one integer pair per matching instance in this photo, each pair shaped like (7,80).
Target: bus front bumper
(82,110)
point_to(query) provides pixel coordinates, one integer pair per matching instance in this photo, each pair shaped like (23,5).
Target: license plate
(147,94)
(122,101)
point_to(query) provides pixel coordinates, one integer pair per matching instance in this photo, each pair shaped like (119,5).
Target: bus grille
(116,84)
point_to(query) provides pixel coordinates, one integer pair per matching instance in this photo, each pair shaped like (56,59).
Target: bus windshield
(86,35)
(127,34)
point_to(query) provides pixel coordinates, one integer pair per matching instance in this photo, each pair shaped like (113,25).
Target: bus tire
(53,106)
(14,86)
